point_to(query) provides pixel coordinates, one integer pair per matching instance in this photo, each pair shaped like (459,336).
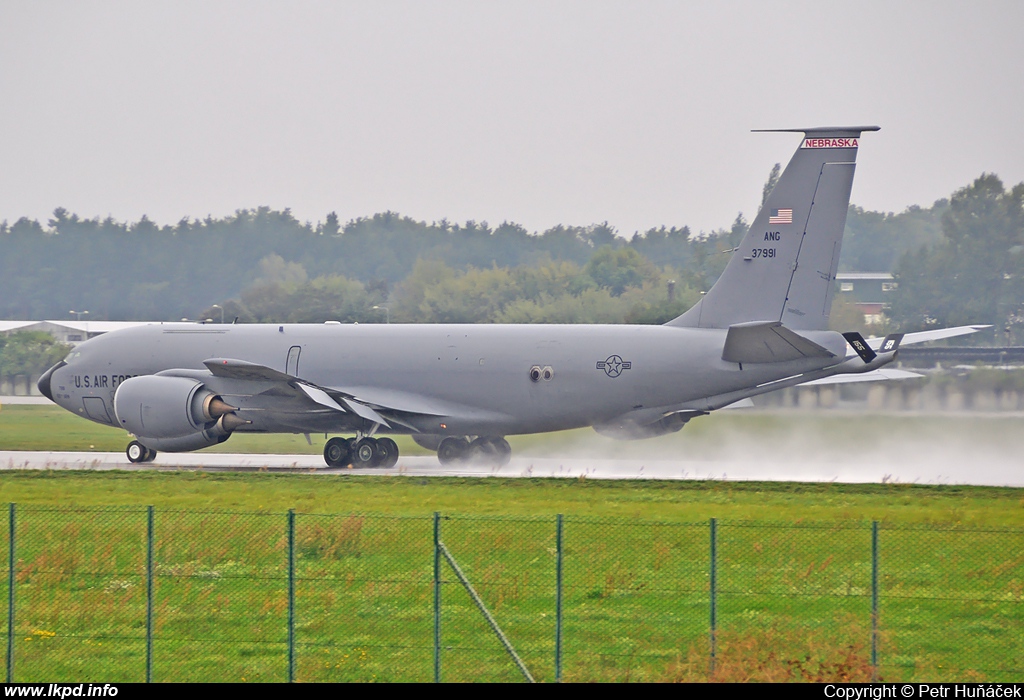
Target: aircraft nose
(44,381)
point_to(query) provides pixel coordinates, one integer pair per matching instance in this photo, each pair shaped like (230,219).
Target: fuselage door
(96,409)
(292,363)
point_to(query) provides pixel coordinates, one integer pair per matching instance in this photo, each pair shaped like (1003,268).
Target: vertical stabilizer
(784,270)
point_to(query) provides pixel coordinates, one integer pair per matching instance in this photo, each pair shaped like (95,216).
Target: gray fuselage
(452,379)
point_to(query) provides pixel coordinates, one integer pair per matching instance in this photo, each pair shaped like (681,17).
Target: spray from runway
(852,447)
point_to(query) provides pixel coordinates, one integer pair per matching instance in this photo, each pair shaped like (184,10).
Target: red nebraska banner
(830,143)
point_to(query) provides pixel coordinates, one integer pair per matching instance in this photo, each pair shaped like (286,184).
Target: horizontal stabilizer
(926,336)
(768,341)
(878,375)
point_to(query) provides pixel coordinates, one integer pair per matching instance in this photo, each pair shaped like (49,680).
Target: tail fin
(784,270)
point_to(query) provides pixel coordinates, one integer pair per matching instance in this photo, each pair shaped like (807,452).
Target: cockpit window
(72,355)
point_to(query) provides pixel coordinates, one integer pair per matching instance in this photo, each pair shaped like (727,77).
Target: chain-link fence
(131,594)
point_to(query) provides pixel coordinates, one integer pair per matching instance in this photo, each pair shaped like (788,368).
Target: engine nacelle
(186,443)
(628,430)
(171,407)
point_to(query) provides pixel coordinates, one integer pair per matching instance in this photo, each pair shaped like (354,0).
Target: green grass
(636,598)
(794,568)
(681,501)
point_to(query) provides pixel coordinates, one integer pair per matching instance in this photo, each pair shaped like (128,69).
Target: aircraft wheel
(388,450)
(502,451)
(136,452)
(338,452)
(452,450)
(491,450)
(150,455)
(365,453)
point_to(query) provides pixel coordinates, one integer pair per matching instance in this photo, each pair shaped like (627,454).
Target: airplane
(462,389)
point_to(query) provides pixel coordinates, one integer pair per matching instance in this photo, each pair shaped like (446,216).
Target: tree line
(28,354)
(958,261)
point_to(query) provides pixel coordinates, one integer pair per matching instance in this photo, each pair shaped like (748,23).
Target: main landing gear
(494,451)
(137,452)
(364,452)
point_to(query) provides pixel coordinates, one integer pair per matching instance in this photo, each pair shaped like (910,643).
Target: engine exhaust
(231,421)
(214,407)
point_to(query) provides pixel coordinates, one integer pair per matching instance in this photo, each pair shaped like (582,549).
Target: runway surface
(25,401)
(749,469)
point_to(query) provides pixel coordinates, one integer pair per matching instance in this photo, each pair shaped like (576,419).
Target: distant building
(72,332)
(869,291)
(8,327)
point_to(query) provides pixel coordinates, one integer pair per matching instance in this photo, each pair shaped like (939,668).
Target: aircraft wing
(229,368)
(374,404)
(924,336)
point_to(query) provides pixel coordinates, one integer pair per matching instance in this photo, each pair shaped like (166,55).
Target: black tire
(150,455)
(491,450)
(452,450)
(388,449)
(502,451)
(365,453)
(479,451)
(136,452)
(338,452)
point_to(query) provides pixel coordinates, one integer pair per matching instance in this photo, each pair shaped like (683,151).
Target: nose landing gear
(137,452)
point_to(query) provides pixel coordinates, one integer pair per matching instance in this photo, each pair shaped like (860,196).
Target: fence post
(291,595)
(714,589)
(437,597)
(10,595)
(558,599)
(149,594)
(874,601)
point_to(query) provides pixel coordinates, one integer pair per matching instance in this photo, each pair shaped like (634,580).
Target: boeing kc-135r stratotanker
(461,389)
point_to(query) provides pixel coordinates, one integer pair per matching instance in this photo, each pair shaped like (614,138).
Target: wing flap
(364,411)
(402,401)
(768,341)
(320,396)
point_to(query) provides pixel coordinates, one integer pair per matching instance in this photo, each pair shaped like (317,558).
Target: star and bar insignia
(614,366)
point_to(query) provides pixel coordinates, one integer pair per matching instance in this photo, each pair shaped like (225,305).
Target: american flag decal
(781,216)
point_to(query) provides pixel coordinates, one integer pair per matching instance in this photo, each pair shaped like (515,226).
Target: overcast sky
(635,113)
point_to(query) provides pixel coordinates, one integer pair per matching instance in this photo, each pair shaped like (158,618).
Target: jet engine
(173,414)
(629,430)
